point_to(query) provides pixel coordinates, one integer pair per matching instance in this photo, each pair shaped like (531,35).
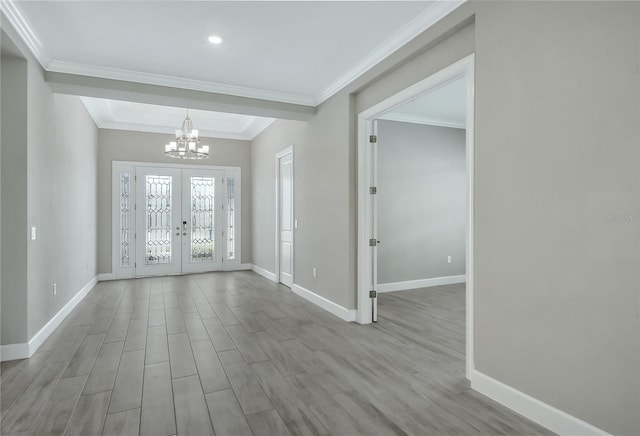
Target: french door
(185,220)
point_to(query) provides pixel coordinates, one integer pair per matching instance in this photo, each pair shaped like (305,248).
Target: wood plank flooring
(231,353)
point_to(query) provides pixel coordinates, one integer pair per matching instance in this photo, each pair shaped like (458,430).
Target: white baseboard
(328,305)
(26,350)
(54,322)
(547,416)
(103,277)
(422,283)
(263,272)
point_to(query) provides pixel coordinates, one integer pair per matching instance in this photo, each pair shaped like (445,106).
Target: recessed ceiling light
(215,39)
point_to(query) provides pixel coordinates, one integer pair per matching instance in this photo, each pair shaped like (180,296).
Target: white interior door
(202,217)
(158,226)
(285,214)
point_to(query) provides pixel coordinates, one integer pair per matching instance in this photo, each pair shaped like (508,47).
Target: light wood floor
(235,354)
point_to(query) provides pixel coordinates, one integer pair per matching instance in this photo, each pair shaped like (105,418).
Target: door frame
(119,167)
(462,68)
(282,153)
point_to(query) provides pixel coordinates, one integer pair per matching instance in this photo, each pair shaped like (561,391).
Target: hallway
(237,354)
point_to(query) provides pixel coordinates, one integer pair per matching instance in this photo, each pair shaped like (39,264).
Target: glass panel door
(175,220)
(159,230)
(202,218)
(231,230)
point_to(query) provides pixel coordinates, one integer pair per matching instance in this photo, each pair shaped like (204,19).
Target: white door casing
(285,217)
(366,174)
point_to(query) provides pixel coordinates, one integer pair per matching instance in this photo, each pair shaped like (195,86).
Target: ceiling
(444,106)
(299,52)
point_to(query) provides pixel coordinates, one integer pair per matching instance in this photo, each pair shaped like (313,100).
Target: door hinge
(373,190)
(135,264)
(373,242)
(135,207)
(373,139)
(373,294)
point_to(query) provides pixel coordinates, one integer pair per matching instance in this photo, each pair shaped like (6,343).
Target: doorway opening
(172,219)
(381,123)
(284,217)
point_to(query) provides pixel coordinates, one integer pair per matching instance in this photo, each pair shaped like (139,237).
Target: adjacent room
(421,215)
(346,217)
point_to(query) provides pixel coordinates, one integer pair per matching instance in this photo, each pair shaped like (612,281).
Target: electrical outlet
(315,272)
(55,289)
(448,259)
(34,233)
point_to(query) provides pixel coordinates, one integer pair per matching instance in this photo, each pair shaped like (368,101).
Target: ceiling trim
(170,132)
(433,14)
(415,119)
(57,66)
(102,114)
(419,24)
(257,126)
(24,29)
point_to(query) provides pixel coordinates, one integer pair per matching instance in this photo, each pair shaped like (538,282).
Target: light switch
(295,224)
(33,233)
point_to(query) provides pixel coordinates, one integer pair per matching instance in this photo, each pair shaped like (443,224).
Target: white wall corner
(542,413)
(14,352)
(39,338)
(263,272)
(343,313)
(422,283)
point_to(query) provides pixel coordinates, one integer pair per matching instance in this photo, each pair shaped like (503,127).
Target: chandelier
(187,145)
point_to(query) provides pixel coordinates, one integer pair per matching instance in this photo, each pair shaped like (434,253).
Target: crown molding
(169,131)
(257,126)
(415,119)
(434,13)
(176,82)
(102,114)
(14,15)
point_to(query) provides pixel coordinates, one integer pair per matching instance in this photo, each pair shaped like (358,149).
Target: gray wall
(122,145)
(13,81)
(557,133)
(52,183)
(421,201)
(321,204)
